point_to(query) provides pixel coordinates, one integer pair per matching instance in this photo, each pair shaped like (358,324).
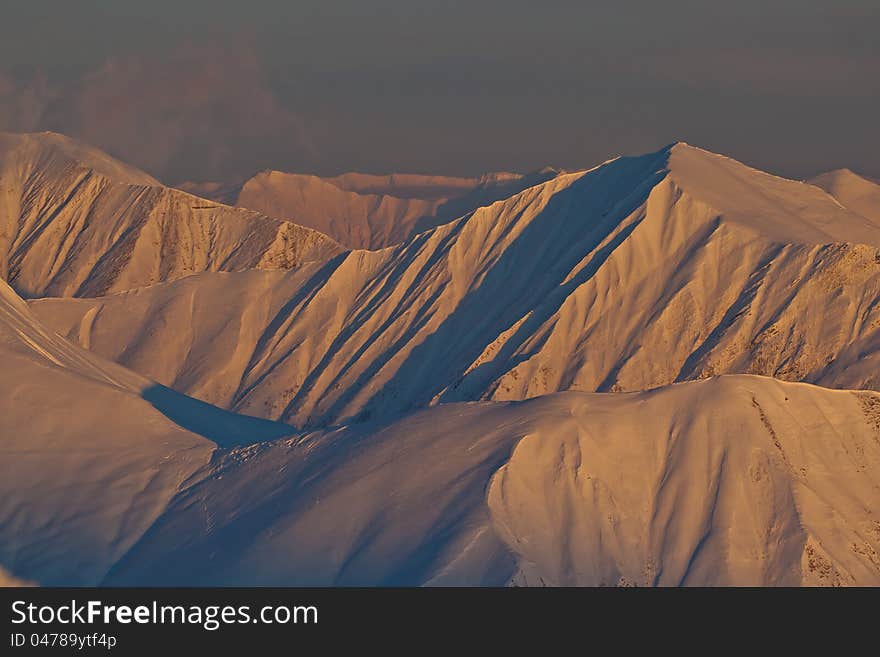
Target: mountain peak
(76,221)
(785,210)
(852,190)
(843,173)
(842,176)
(50,151)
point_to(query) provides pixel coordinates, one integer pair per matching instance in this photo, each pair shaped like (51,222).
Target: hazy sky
(193,89)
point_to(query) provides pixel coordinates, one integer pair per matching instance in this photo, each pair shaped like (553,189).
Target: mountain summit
(853,191)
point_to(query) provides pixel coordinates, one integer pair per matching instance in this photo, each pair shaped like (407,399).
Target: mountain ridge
(617,278)
(71,229)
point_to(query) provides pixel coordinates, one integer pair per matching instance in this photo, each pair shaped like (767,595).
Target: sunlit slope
(87,464)
(75,222)
(736,480)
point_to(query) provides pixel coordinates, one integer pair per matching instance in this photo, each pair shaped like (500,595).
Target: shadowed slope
(90,453)
(87,465)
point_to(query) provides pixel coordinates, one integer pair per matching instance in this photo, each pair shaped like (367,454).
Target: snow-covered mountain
(578,384)
(641,272)
(365,211)
(75,222)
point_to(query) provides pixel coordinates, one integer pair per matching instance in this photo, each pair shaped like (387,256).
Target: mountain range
(657,371)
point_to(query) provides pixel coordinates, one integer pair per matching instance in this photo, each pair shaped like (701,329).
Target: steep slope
(671,266)
(365,211)
(74,222)
(735,480)
(852,191)
(90,453)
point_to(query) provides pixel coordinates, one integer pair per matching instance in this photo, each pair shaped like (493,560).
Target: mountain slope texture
(74,222)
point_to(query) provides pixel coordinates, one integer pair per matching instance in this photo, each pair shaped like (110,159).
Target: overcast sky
(217,89)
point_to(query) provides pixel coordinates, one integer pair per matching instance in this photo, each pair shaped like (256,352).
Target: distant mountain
(853,191)
(365,211)
(75,222)
(644,271)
